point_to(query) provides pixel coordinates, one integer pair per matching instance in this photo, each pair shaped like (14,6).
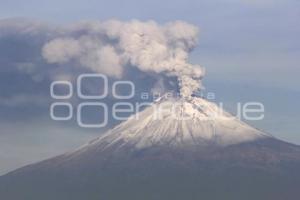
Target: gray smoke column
(109,47)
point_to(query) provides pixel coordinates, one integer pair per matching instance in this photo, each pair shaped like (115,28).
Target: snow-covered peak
(179,122)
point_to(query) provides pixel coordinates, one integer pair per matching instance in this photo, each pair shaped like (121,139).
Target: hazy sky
(249,48)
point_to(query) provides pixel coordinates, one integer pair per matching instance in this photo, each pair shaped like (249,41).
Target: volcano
(175,149)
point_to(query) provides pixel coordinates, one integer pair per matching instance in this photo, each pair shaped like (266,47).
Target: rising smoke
(110,47)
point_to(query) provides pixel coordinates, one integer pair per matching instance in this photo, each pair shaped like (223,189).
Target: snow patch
(179,123)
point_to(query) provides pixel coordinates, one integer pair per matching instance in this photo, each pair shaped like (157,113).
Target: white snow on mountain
(181,123)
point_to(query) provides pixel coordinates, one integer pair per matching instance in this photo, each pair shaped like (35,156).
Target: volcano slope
(193,150)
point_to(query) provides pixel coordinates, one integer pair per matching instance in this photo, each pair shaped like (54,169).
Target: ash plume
(110,47)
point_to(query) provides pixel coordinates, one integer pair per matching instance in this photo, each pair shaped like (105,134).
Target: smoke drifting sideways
(109,47)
